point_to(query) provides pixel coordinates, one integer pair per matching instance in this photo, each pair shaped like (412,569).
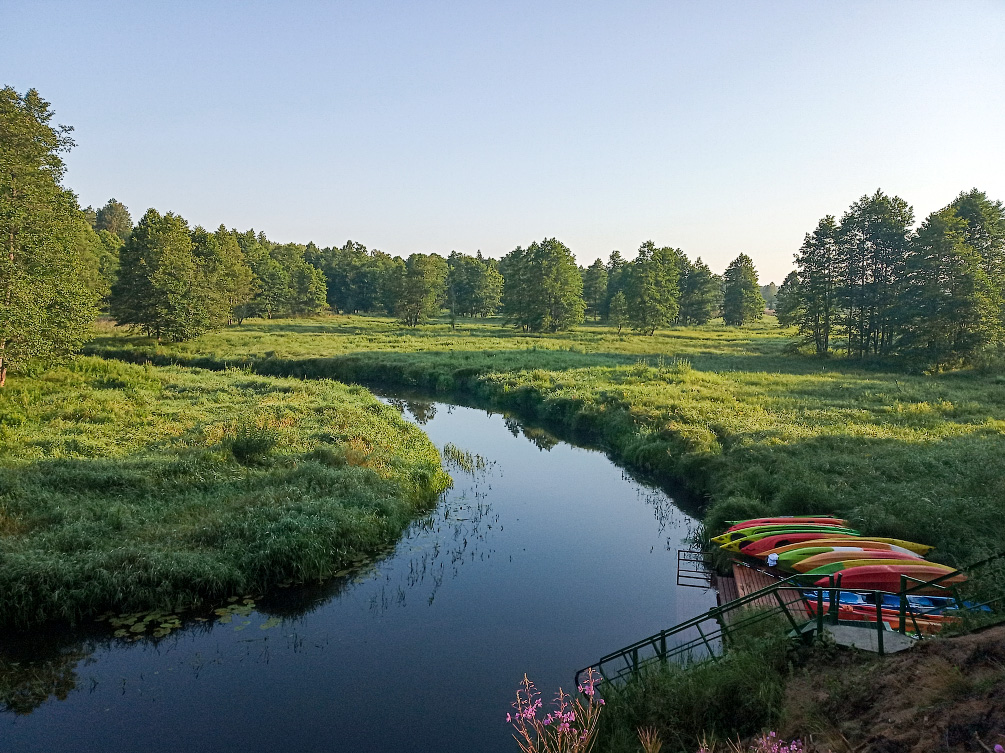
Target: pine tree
(115,218)
(742,301)
(789,301)
(700,293)
(814,308)
(595,288)
(874,237)
(950,308)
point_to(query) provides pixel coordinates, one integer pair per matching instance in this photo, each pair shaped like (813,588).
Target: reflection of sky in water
(540,559)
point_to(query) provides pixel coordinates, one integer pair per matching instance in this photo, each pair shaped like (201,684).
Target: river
(541,558)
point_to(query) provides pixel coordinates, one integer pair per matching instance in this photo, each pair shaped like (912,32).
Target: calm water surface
(543,557)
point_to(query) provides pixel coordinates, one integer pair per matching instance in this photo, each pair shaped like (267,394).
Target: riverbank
(754,428)
(129,488)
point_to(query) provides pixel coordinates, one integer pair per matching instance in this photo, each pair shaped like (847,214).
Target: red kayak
(825,520)
(928,624)
(759,547)
(887,578)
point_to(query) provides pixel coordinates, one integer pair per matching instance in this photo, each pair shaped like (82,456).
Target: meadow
(745,420)
(133,488)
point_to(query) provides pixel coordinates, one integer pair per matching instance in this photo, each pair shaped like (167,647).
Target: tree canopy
(49,286)
(543,290)
(742,301)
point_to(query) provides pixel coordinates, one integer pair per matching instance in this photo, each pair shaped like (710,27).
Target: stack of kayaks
(825,547)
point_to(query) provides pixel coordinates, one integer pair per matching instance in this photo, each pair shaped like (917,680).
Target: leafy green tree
(615,266)
(813,303)
(789,303)
(595,288)
(115,218)
(985,234)
(542,287)
(951,308)
(700,293)
(874,237)
(46,305)
(162,287)
(474,286)
(742,301)
(618,315)
(308,292)
(769,292)
(228,279)
(420,289)
(652,288)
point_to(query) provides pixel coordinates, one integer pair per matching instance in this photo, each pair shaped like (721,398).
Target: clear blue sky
(716,127)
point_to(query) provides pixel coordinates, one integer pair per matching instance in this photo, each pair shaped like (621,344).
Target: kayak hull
(770,544)
(761,531)
(825,520)
(887,578)
(805,560)
(889,545)
(847,564)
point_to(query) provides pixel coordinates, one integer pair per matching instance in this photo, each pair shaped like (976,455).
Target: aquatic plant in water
(571,725)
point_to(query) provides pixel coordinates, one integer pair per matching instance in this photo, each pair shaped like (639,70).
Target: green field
(129,488)
(736,414)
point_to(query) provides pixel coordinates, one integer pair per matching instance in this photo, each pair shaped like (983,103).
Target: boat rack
(807,611)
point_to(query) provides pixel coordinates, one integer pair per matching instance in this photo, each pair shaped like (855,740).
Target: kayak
(887,578)
(772,528)
(771,543)
(891,545)
(804,560)
(865,612)
(826,520)
(839,566)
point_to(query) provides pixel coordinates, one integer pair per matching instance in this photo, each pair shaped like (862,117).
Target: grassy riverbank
(126,488)
(754,427)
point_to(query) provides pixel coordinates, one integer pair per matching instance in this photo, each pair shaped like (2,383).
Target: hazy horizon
(436,127)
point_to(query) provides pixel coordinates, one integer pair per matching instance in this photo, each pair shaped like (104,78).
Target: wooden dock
(747,580)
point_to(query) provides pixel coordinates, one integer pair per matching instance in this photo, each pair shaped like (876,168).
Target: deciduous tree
(46,305)
(652,288)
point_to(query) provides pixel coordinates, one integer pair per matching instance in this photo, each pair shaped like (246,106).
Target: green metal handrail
(629,659)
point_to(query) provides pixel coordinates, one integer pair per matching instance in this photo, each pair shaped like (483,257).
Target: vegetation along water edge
(733,412)
(131,488)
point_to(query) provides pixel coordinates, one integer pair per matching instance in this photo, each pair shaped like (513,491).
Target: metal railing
(807,609)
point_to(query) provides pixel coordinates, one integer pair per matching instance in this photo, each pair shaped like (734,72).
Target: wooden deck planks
(750,580)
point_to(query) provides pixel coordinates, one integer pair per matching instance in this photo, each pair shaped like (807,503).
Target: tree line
(867,285)
(174,282)
(871,286)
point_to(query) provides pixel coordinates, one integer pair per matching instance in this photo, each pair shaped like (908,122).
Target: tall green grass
(753,426)
(737,695)
(129,488)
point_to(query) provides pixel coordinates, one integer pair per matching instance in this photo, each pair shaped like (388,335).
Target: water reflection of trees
(540,438)
(36,668)
(422,411)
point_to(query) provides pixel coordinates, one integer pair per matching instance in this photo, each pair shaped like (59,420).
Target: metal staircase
(806,611)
